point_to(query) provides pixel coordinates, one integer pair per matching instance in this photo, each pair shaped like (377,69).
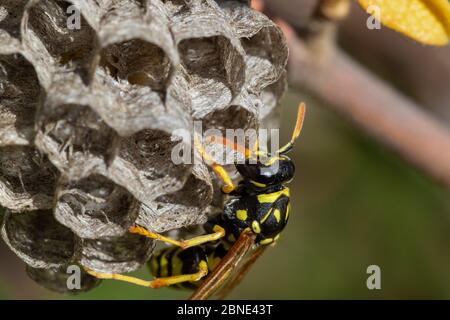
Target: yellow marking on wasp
(277,215)
(213,262)
(266,216)
(261,185)
(154,264)
(163,265)
(231,238)
(177,264)
(255,226)
(277,237)
(272,197)
(288,210)
(266,241)
(241,215)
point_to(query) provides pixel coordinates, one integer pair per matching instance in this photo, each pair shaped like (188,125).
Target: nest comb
(87,116)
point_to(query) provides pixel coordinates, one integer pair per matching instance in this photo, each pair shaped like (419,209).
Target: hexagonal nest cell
(90,117)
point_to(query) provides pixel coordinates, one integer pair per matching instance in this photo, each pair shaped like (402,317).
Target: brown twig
(318,66)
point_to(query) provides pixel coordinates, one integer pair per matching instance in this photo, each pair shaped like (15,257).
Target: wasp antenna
(299,123)
(229,144)
(255,148)
(297,130)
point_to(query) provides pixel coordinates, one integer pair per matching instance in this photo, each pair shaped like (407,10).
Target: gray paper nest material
(115,254)
(27,179)
(20,93)
(94,207)
(56,279)
(87,121)
(38,239)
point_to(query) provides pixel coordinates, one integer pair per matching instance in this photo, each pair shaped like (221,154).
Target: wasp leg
(155,283)
(217,168)
(219,232)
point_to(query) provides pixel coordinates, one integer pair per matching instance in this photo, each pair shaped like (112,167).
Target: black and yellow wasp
(255,215)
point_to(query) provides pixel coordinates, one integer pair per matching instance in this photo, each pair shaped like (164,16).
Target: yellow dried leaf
(426,21)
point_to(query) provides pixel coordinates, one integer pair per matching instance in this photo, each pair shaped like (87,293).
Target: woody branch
(319,66)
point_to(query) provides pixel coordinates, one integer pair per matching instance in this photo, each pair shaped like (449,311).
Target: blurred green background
(354,204)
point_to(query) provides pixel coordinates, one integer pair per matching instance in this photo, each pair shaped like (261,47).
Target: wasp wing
(224,269)
(241,273)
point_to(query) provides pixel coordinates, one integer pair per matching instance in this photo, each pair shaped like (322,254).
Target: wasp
(253,218)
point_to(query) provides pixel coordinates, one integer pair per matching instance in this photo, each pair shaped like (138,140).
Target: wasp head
(267,171)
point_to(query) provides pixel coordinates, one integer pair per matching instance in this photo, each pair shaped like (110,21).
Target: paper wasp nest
(87,113)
